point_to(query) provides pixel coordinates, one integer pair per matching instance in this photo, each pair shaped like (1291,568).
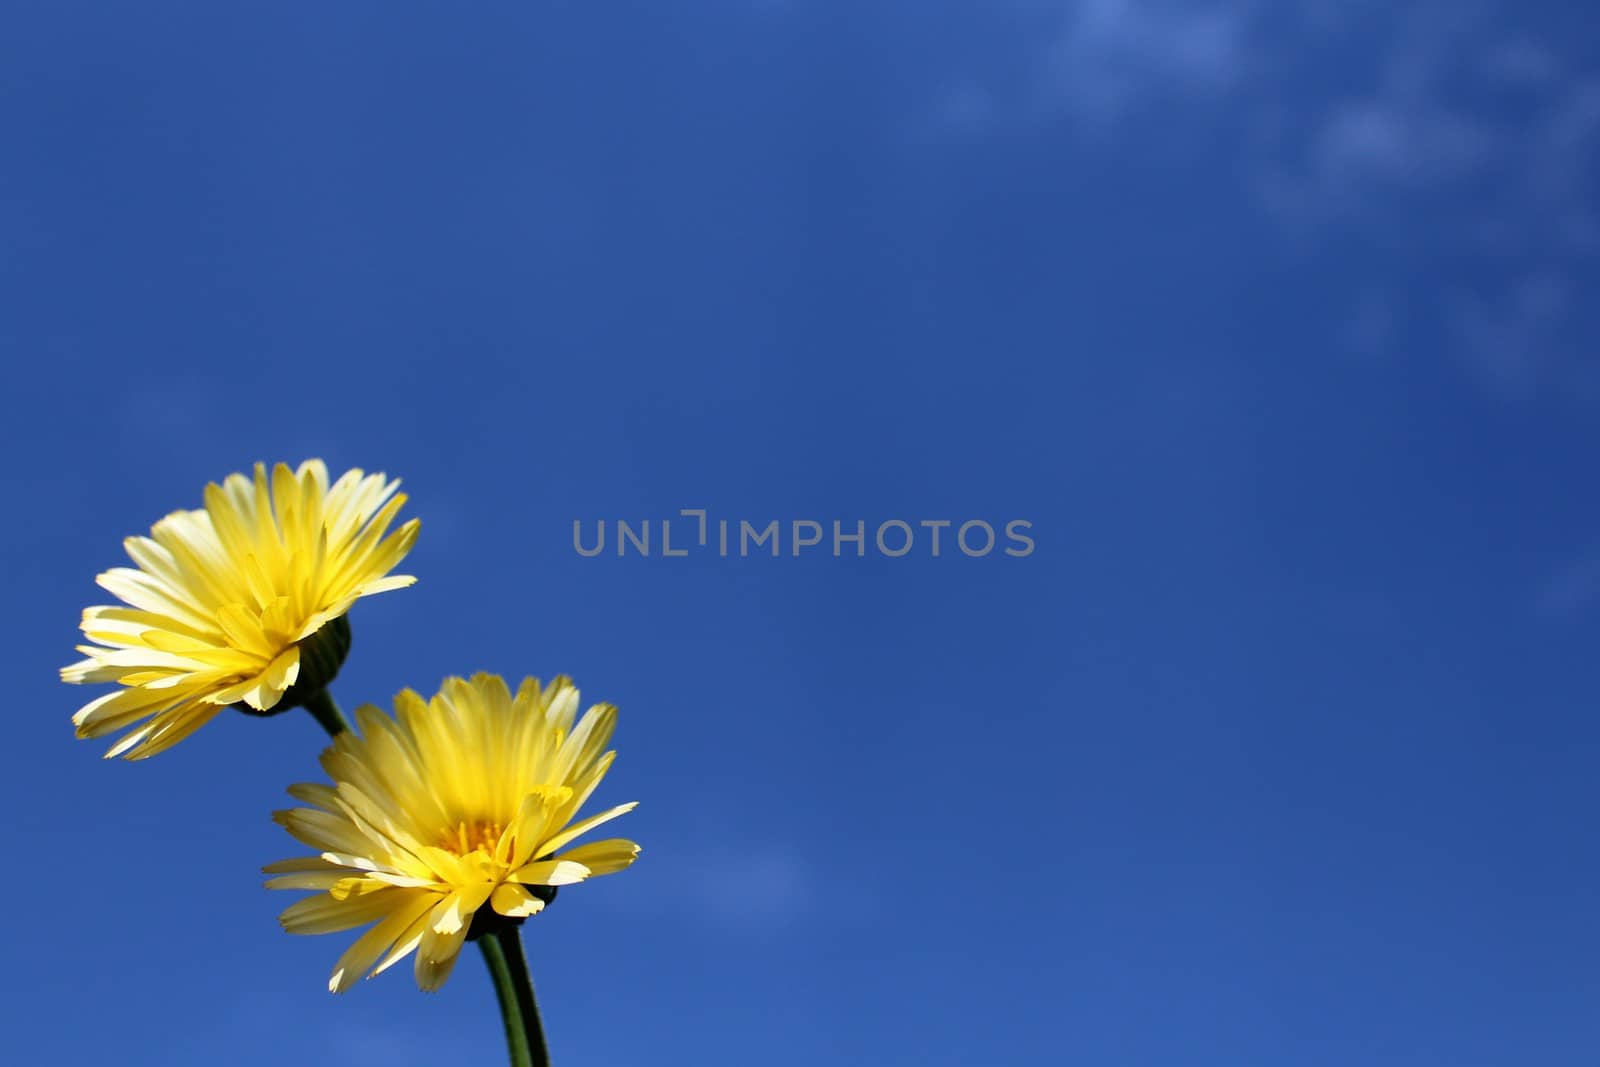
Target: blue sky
(1280,747)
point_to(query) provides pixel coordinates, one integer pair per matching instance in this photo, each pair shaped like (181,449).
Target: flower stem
(322,708)
(502,951)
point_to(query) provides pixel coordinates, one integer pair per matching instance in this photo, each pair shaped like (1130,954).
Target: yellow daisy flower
(237,601)
(459,802)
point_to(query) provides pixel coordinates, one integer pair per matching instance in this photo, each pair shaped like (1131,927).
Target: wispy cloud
(1455,138)
(1567,592)
(1112,54)
(1514,340)
(252,1030)
(766,887)
(754,889)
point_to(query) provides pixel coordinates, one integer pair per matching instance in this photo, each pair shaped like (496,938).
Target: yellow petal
(395,927)
(550,872)
(582,827)
(603,857)
(515,902)
(321,914)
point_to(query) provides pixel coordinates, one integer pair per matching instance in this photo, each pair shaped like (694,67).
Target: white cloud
(1512,339)
(753,889)
(763,887)
(1112,54)
(1566,593)
(1440,132)
(1521,61)
(1379,140)
(968,106)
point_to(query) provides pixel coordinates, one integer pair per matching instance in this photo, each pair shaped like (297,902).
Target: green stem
(322,708)
(502,951)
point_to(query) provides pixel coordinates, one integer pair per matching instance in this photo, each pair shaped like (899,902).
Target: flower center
(476,835)
(483,835)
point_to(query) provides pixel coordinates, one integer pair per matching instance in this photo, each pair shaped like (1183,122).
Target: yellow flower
(223,596)
(467,800)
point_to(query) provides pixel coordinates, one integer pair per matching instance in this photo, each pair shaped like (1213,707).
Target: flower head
(461,803)
(222,598)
